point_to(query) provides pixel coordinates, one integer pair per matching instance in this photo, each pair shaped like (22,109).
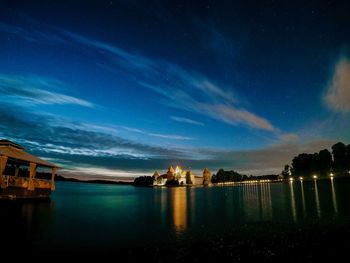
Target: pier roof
(16,152)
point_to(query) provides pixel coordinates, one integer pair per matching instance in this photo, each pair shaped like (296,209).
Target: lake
(82,216)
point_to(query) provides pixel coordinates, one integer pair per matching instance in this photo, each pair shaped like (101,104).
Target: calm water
(88,215)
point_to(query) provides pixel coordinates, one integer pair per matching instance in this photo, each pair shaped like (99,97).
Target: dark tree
(305,164)
(325,162)
(314,166)
(286,171)
(339,156)
(172,183)
(144,181)
(321,163)
(227,176)
(348,157)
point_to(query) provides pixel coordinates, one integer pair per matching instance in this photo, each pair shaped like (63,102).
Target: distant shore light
(315,176)
(301,178)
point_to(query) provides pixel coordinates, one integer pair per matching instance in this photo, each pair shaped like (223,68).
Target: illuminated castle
(183,177)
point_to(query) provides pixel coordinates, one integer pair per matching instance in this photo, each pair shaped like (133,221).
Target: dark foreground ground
(263,242)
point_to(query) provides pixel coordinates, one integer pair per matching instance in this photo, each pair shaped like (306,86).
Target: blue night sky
(117,89)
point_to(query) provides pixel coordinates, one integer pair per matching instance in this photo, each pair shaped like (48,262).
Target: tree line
(322,163)
(223,176)
(227,176)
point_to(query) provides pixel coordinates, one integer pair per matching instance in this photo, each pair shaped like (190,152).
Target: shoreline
(247,182)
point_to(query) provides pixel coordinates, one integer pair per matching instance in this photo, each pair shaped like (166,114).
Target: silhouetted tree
(172,183)
(325,162)
(304,164)
(348,157)
(227,176)
(339,151)
(314,167)
(286,171)
(321,163)
(144,180)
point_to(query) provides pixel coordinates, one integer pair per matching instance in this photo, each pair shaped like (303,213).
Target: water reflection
(257,201)
(179,208)
(265,201)
(303,197)
(21,219)
(334,198)
(318,209)
(292,200)
(125,214)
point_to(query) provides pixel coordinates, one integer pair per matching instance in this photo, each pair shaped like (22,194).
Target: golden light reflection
(292,201)
(29,212)
(257,201)
(334,198)
(318,209)
(303,197)
(179,205)
(266,204)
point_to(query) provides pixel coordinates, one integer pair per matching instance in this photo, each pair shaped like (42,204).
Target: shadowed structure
(13,186)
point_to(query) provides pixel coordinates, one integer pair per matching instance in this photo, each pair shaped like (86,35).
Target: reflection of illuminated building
(179,205)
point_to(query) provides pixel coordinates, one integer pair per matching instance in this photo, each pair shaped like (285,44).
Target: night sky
(117,89)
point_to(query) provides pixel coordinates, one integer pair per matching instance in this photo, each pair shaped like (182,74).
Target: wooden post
(32,172)
(3,161)
(16,170)
(54,171)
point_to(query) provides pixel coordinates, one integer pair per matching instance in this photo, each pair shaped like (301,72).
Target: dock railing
(14,181)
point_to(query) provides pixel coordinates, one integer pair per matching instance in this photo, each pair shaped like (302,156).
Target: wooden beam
(3,161)
(54,171)
(16,170)
(32,172)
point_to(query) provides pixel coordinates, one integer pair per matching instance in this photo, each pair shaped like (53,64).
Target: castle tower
(156,175)
(170,173)
(178,172)
(189,179)
(206,176)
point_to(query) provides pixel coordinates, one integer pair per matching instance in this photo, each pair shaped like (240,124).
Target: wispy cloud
(119,56)
(223,112)
(95,172)
(338,92)
(32,35)
(36,90)
(62,136)
(170,136)
(187,90)
(164,136)
(186,120)
(231,115)
(289,137)
(99,150)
